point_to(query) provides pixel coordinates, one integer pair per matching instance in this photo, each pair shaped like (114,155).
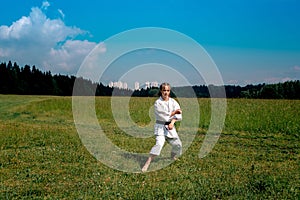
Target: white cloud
(296,68)
(47,43)
(70,54)
(61,13)
(45,5)
(233,82)
(277,79)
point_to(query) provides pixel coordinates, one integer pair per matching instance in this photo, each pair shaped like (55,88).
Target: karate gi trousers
(162,134)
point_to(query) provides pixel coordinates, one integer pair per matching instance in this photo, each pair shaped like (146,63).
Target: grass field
(42,156)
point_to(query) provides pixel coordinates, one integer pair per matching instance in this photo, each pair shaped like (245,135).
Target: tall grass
(42,157)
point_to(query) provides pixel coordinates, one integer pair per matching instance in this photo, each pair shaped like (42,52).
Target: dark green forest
(29,80)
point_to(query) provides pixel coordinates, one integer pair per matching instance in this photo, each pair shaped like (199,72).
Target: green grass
(42,157)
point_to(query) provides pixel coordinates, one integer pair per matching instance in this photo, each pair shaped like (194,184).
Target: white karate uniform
(163,110)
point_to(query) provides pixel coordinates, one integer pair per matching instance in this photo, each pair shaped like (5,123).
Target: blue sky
(251,42)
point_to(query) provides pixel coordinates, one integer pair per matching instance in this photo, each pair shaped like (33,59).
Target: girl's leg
(145,167)
(155,151)
(176,148)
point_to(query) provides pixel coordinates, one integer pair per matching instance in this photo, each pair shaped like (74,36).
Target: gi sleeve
(176,106)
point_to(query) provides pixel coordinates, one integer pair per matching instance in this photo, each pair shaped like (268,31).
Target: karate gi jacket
(163,110)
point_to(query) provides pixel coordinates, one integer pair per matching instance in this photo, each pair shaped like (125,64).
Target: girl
(167,112)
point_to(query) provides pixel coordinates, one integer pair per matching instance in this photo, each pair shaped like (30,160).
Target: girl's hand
(170,126)
(178,111)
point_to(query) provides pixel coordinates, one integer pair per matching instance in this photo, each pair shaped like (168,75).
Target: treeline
(286,90)
(31,81)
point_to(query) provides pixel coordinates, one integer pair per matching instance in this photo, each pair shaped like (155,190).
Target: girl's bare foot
(145,168)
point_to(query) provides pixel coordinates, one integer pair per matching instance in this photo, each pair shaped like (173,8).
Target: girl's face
(165,92)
